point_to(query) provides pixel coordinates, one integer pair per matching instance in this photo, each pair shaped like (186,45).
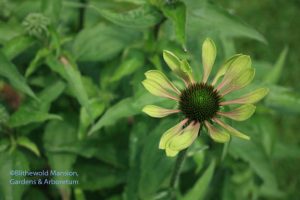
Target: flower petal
(249,98)
(240,81)
(224,68)
(158,112)
(177,66)
(171,133)
(209,52)
(241,113)
(161,79)
(236,69)
(216,134)
(155,89)
(231,130)
(171,153)
(184,139)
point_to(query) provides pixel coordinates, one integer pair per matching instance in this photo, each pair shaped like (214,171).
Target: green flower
(201,103)
(36,24)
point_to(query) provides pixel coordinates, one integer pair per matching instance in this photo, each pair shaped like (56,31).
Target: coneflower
(201,102)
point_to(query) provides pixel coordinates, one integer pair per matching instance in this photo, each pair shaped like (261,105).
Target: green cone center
(199,102)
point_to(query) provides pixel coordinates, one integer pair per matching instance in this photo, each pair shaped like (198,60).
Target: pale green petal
(158,112)
(224,68)
(180,68)
(209,52)
(172,60)
(238,66)
(171,153)
(155,89)
(184,139)
(175,130)
(232,131)
(162,80)
(241,113)
(249,98)
(216,134)
(240,82)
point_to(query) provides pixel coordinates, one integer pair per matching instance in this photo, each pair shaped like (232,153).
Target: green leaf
(76,85)
(52,9)
(211,17)
(17,45)
(37,61)
(258,161)
(34,112)
(274,75)
(124,108)
(142,17)
(90,173)
(59,134)
(129,65)
(97,108)
(283,99)
(9,71)
(176,12)
(25,142)
(12,161)
(26,115)
(155,166)
(102,42)
(200,188)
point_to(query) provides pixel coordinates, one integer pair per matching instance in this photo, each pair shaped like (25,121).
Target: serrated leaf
(102,42)
(9,71)
(142,17)
(212,17)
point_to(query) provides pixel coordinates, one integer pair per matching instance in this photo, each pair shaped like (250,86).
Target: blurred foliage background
(71,98)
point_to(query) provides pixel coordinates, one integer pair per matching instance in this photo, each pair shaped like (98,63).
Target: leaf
(17,45)
(91,171)
(142,17)
(52,9)
(25,142)
(12,161)
(34,112)
(124,108)
(283,99)
(102,42)
(275,74)
(97,108)
(36,62)
(211,17)
(76,85)
(258,161)
(155,166)
(26,115)
(9,71)
(200,188)
(57,134)
(128,66)
(176,12)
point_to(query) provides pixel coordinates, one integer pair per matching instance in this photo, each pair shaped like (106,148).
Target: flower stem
(176,172)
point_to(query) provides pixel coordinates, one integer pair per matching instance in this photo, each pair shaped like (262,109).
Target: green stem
(176,172)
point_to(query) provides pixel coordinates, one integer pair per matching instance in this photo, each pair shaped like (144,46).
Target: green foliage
(71,98)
